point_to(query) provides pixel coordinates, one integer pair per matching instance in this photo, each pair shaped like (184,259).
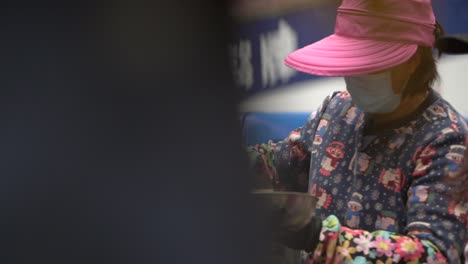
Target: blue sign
(260,47)
(452,15)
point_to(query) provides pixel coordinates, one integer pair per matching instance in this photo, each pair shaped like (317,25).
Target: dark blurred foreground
(119,140)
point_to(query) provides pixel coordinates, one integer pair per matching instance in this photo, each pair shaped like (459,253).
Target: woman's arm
(285,164)
(339,244)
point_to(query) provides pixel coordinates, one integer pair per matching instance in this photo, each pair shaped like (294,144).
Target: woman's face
(385,92)
(401,73)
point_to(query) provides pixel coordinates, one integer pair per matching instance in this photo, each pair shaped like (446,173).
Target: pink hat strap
(362,24)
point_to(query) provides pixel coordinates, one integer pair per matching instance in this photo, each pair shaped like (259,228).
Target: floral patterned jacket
(382,196)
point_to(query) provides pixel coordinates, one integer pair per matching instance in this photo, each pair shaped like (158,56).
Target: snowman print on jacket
(335,152)
(456,157)
(354,208)
(320,132)
(423,160)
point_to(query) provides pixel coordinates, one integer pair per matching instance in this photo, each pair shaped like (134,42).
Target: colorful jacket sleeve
(339,244)
(284,165)
(436,222)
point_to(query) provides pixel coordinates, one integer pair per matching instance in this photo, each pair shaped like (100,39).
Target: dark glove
(306,238)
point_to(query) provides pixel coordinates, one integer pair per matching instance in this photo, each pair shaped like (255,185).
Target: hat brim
(343,56)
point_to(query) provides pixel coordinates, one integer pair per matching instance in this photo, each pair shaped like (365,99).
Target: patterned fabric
(383,195)
(340,244)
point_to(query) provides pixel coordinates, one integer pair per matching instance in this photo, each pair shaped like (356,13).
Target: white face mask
(373,93)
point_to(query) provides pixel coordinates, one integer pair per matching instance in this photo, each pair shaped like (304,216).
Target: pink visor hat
(370,36)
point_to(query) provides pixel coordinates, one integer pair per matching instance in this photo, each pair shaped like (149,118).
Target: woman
(383,171)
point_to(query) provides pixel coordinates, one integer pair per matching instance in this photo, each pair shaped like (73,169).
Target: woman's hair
(426,73)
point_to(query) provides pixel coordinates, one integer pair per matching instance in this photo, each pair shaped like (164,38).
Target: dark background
(119,136)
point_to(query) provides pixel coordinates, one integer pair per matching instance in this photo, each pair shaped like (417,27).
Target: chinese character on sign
(241,56)
(274,47)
